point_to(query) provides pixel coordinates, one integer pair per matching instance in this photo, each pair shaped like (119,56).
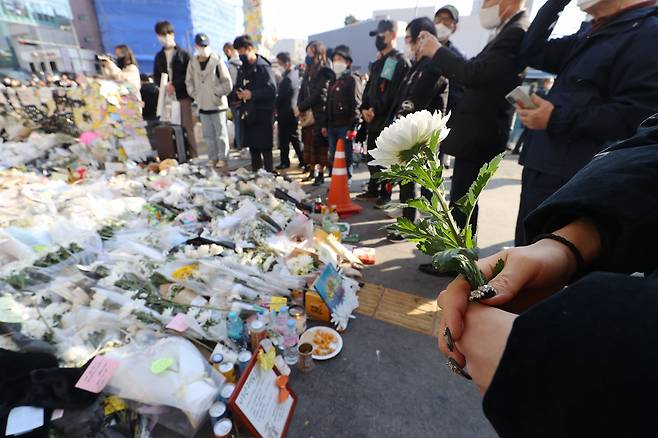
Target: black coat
(287,95)
(423,88)
(257,114)
(313,94)
(179,62)
(382,91)
(583,363)
(607,83)
(481,122)
(344,101)
(455,91)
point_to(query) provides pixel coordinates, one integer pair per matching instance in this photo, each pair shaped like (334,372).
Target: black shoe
(428,268)
(382,203)
(310,177)
(367,195)
(395,237)
(283,166)
(301,165)
(319,180)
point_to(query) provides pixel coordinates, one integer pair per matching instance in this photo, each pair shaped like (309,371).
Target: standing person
(150,93)
(313,102)
(423,88)
(606,85)
(286,98)
(208,82)
(125,69)
(234,64)
(173,60)
(255,92)
(386,77)
(343,103)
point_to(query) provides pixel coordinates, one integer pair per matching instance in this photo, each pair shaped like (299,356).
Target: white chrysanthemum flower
(405,133)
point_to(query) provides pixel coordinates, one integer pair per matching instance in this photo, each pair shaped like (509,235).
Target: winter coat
(179,62)
(287,95)
(607,83)
(344,101)
(423,88)
(560,368)
(313,94)
(481,122)
(129,74)
(209,86)
(455,91)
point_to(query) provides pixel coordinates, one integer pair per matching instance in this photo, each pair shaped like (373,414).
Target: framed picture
(255,402)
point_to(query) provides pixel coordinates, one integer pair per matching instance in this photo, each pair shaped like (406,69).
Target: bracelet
(580,261)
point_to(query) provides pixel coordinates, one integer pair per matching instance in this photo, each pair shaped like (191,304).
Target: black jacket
(179,62)
(455,91)
(382,90)
(313,94)
(258,79)
(423,88)
(607,83)
(344,101)
(583,363)
(287,95)
(150,93)
(481,122)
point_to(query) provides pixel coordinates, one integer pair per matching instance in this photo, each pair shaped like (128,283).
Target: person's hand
(536,119)
(244,94)
(544,267)
(368,114)
(169,89)
(483,341)
(427,44)
(324,132)
(296,111)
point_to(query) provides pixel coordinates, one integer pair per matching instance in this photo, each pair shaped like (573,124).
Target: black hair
(128,55)
(243,42)
(417,25)
(144,77)
(163,27)
(284,57)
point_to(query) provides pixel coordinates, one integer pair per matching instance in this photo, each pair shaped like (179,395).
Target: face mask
(380,44)
(121,62)
(167,41)
(409,52)
(339,68)
(585,5)
(308,60)
(443,32)
(203,52)
(490,17)
(244,59)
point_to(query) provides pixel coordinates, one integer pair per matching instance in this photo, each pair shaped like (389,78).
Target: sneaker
(244,154)
(367,195)
(395,238)
(382,203)
(283,166)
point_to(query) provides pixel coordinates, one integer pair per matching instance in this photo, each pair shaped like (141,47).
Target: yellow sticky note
(114,404)
(161,365)
(266,360)
(277,302)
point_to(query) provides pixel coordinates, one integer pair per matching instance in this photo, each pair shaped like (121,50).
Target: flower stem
(451,221)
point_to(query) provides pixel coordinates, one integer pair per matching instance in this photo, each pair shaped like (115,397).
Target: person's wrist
(560,254)
(585,236)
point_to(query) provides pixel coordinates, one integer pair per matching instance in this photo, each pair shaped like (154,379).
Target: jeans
(335,134)
(237,126)
(215,132)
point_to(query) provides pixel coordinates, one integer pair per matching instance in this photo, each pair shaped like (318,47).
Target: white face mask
(203,52)
(443,32)
(167,41)
(409,52)
(585,5)
(339,68)
(490,17)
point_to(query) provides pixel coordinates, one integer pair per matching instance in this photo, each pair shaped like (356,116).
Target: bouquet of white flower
(408,151)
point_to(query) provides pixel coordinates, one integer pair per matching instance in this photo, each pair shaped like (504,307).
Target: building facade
(86,25)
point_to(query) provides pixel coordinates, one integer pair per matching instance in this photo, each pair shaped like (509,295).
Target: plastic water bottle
(235,327)
(281,321)
(290,341)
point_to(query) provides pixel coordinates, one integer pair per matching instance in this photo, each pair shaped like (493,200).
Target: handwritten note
(179,323)
(98,374)
(24,419)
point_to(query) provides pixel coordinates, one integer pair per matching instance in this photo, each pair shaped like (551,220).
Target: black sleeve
(157,71)
(425,90)
(179,81)
(617,191)
(581,363)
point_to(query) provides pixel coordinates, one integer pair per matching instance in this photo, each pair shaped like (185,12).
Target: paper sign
(277,302)
(9,310)
(161,365)
(98,374)
(57,414)
(179,323)
(24,419)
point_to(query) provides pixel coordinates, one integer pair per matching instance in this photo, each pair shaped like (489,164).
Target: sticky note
(24,419)
(277,302)
(266,360)
(98,374)
(179,323)
(161,365)
(114,404)
(57,414)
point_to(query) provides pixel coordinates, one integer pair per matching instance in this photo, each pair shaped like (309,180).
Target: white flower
(405,133)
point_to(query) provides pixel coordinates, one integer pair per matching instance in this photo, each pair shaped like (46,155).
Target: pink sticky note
(98,374)
(179,323)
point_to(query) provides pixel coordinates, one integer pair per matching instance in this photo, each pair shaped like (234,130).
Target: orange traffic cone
(339,191)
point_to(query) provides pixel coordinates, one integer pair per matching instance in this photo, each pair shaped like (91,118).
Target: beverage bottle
(281,320)
(290,341)
(235,327)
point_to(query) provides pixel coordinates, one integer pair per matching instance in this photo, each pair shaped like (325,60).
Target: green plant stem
(451,222)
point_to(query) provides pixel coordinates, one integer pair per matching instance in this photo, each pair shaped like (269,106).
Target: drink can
(226,392)
(217,411)
(243,360)
(305,363)
(227,369)
(223,429)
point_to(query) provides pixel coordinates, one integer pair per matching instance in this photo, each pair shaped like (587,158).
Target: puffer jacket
(313,94)
(210,86)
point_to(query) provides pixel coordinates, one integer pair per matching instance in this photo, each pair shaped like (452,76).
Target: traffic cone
(339,191)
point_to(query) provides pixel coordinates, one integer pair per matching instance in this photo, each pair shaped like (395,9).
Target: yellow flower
(185,272)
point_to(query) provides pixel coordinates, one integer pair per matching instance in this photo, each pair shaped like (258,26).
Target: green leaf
(500,265)
(467,203)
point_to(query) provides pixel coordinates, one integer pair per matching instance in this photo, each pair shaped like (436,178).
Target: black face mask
(121,62)
(244,59)
(380,43)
